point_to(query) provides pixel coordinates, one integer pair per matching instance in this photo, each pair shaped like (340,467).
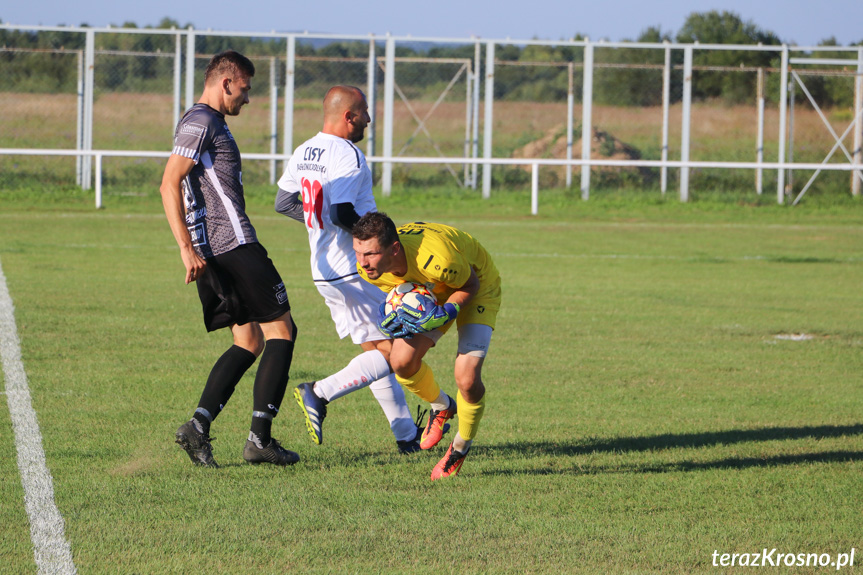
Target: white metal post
(783,112)
(759,145)
(586,119)
(389,98)
(178,79)
(477,54)
(858,125)
(534,189)
(489,119)
(98,181)
(371,95)
(274,118)
(789,157)
(89,83)
(288,131)
(469,76)
(190,67)
(570,118)
(79,132)
(686,123)
(666,110)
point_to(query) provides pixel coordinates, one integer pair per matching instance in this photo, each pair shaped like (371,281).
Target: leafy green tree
(168,23)
(835,87)
(829,86)
(725,28)
(639,83)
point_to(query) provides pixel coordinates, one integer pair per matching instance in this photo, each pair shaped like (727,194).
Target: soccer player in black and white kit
(327,186)
(239,287)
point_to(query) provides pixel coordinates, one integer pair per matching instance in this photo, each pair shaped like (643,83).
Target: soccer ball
(415,295)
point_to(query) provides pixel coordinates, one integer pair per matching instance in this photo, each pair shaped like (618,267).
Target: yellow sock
(422,383)
(469,416)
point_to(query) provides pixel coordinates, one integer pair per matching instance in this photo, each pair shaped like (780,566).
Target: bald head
(341,98)
(346,113)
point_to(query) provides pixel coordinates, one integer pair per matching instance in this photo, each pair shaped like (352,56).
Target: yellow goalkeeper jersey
(441,257)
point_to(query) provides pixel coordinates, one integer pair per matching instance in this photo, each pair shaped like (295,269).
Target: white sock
(441,403)
(391,398)
(365,368)
(461,445)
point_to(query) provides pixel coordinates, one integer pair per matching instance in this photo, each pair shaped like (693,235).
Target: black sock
(224,376)
(203,420)
(262,429)
(270,385)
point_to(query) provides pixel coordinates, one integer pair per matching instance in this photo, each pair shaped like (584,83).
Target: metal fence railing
(447,111)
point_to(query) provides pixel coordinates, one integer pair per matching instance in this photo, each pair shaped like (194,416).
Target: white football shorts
(354,308)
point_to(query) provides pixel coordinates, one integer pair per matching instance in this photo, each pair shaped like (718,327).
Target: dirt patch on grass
(603,145)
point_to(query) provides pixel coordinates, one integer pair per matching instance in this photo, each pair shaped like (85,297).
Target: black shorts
(241,286)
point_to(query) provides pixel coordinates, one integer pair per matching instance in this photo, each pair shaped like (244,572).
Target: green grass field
(666,381)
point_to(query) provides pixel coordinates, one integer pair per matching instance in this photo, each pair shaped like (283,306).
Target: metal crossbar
(98,155)
(421,122)
(839,140)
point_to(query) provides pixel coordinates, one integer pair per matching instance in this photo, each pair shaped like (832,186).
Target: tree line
(42,61)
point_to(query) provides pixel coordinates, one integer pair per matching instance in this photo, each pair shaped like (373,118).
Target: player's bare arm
(176,171)
(465,293)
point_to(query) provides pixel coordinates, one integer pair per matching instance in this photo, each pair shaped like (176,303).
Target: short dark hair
(229,63)
(376,225)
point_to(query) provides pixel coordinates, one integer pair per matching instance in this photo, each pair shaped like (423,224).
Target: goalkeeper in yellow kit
(466,283)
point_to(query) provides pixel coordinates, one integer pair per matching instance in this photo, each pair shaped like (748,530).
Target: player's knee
(404,365)
(255,345)
(281,328)
(471,387)
(249,337)
(403,369)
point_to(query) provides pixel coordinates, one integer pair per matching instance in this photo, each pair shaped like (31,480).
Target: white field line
(51,550)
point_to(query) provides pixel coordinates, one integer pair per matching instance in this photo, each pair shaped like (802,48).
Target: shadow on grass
(689,441)
(738,463)
(735,463)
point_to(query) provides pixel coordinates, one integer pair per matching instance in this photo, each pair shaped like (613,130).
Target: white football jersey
(329,170)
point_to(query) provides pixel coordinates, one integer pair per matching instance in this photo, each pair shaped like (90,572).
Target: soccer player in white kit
(327,185)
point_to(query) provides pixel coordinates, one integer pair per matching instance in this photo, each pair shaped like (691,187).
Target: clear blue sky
(801,22)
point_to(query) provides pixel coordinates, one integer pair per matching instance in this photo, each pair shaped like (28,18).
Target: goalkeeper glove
(391,324)
(419,321)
